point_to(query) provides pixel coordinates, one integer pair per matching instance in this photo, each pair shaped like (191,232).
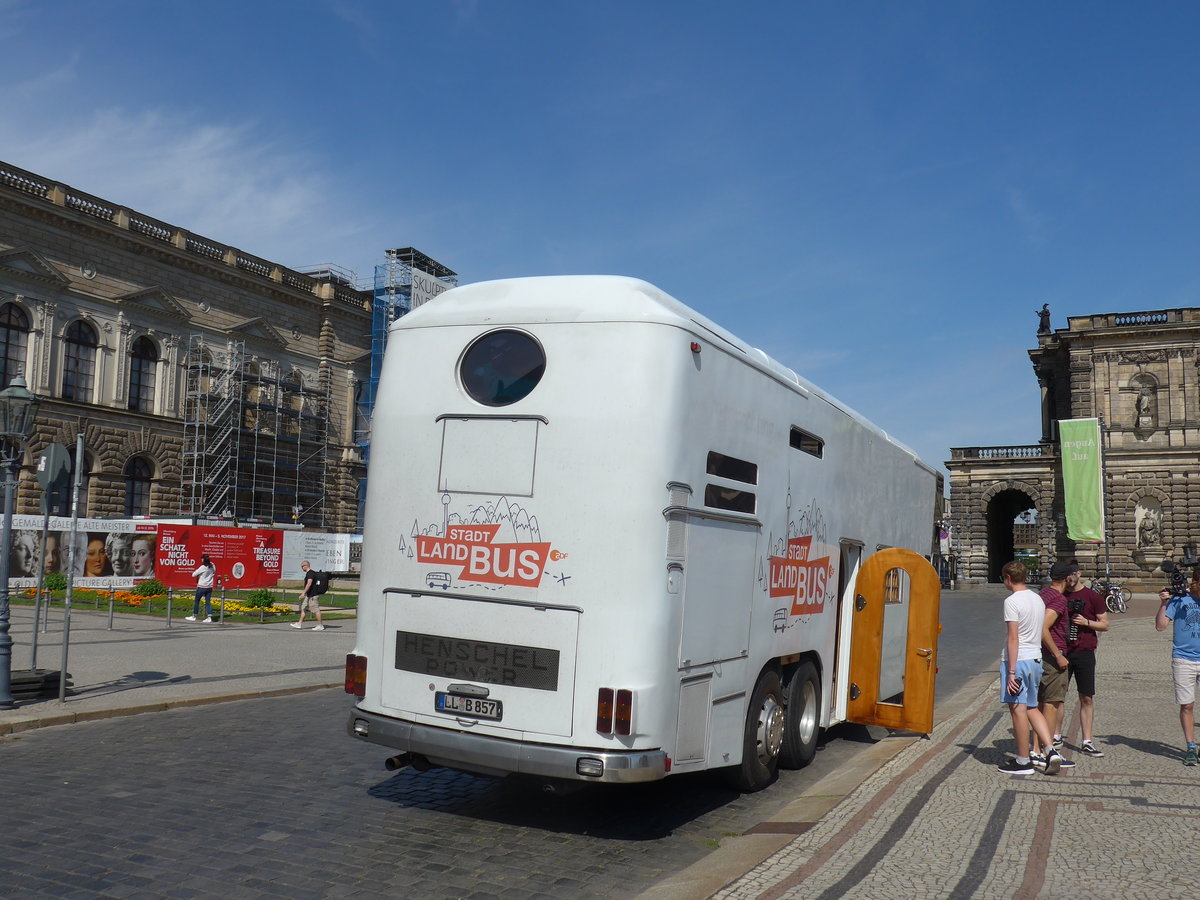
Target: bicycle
(1116,598)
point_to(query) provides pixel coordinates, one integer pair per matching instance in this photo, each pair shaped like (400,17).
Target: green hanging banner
(1083,490)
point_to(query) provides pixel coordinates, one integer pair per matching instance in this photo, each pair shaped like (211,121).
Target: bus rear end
(513,606)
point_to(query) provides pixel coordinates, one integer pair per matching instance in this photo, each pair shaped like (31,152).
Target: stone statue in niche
(1148,528)
(1145,413)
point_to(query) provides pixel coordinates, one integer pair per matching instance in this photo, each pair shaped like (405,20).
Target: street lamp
(18,414)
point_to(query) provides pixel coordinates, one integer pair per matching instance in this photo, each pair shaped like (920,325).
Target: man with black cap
(1052,692)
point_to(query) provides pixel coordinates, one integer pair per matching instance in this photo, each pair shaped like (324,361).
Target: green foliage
(151,587)
(55,581)
(260,597)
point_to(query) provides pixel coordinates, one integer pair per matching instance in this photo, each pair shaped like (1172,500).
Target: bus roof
(600,298)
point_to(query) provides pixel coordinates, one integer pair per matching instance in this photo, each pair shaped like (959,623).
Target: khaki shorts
(1053,688)
(311,604)
(1187,674)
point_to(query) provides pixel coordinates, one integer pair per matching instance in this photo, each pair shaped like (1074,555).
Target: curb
(739,855)
(92,715)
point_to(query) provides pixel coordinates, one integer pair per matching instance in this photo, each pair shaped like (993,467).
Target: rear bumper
(489,755)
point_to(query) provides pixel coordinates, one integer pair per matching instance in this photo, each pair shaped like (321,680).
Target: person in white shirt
(1021,671)
(204,574)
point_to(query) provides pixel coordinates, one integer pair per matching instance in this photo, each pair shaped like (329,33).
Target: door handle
(925,653)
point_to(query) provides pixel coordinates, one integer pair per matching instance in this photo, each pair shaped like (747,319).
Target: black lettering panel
(481,661)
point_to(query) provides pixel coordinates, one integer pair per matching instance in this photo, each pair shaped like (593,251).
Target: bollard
(170,603)
(222,619)
(112,602)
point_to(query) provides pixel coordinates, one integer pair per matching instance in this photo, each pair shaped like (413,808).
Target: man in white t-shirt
(1024,618)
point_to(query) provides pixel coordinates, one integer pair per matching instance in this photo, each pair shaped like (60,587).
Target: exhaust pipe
(398,762)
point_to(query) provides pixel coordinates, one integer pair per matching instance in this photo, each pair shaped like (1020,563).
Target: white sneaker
(208,620)
(190,618)
(297,625)
(318,628)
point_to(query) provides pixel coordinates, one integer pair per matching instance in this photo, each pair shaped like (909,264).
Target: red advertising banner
(244,557)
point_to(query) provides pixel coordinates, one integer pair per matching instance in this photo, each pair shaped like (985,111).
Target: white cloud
(222,180)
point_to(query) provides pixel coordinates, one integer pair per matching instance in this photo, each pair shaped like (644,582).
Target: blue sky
(878,194)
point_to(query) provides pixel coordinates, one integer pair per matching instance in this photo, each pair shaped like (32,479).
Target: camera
(1179,580)
(1074,608)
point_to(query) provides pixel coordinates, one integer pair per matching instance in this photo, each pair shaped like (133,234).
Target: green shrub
(260,597)
(151,587)
(55,581)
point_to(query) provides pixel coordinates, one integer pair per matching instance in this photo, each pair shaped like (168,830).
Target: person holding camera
(1087,615)
(1021,670)
(1180,607)
(1052,692)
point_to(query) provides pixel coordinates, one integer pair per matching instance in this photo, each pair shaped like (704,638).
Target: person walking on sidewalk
(1052,692)
(1087,615)
(205,573)
(315,584)
(1183,611)
(1021,670)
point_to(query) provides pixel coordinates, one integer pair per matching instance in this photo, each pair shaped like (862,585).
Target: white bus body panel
(569,530)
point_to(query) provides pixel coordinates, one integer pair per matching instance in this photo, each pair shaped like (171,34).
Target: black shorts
(1081,665)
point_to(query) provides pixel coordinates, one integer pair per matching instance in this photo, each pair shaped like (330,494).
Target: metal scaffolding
(256,438)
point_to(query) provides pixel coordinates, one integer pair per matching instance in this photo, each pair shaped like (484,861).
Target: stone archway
(1001,504)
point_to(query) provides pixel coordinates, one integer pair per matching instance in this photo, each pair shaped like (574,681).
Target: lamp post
(18,414)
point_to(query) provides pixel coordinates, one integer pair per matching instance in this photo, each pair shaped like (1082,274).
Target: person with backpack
(315,584)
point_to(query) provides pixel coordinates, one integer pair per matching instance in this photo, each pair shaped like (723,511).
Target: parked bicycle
(1116,598)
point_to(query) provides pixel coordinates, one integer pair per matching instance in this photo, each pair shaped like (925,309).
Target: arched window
(14,338)
(138,476)
(79,364)
(143,363)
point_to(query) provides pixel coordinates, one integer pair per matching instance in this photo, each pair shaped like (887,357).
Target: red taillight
(624,716)
(604,711)
(356,675)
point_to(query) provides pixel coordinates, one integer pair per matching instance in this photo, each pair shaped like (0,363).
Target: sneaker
(190,618)
(207,620)
(318,628)
(1054,762)
(1058,742)
(1189,758)
(297,625)
(1066,763)
(1037,761)
(1012,767)
(1090,749)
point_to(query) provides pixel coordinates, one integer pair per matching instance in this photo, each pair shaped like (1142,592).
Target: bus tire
(762,737)
(802,717)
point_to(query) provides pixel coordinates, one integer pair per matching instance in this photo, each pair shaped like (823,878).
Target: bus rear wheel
(802,717)
(763,736)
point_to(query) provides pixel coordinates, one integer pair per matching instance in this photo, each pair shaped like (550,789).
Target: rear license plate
(475,707)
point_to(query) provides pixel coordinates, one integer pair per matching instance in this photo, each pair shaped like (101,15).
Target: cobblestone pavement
(270,798)
(939,819)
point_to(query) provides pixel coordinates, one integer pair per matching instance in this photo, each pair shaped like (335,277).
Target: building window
(138,475)
(142,365)
(14,335)
(79,368)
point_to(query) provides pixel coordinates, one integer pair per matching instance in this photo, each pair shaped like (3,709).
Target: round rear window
(502,367)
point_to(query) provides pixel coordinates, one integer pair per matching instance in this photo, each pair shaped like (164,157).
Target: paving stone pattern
(269,798)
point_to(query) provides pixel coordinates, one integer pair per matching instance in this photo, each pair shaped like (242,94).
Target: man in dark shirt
(1087,615)
(1052,692)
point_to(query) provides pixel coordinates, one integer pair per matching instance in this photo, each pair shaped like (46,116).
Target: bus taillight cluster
(614,711)
(356,675)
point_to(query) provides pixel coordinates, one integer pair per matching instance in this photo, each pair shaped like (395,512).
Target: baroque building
(205,381)
(1138,373)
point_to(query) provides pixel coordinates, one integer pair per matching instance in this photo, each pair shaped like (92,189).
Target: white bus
(607,541)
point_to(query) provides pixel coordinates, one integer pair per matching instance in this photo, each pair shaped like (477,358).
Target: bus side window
(807,443)
(731,497)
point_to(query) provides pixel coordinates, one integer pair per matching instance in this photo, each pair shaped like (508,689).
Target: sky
(880,195)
